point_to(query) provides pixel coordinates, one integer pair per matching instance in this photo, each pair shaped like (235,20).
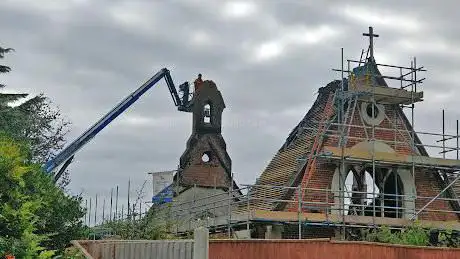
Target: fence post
(201,243)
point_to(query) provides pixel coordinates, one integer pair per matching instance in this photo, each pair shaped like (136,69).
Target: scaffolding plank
(350,153)
(386,94)
(284,216)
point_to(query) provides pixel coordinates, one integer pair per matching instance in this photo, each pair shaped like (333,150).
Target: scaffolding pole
(86,214)
(116,205)
(111,204)
(299,209)
(230,190)
(341,144)
(103,211)
(89,213)
(413,65)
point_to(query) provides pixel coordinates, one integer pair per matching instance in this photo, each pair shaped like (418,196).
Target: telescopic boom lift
(66,156)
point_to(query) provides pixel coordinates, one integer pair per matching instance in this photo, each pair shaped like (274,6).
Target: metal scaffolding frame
(188,215)
(411,83)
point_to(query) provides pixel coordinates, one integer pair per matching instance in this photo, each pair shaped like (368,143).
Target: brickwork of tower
(205,162)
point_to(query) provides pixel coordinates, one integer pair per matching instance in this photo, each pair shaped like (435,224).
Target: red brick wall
(208,174)
(387,135)
(427,186)
(319,249)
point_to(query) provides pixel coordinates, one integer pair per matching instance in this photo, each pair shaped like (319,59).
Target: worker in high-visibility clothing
(198,82)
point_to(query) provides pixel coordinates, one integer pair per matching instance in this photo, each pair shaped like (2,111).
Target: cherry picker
(66,156)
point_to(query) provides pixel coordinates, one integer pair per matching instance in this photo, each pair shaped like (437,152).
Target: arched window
(348,191)
(207,113)
(358,192)
(372,190)
(366,196)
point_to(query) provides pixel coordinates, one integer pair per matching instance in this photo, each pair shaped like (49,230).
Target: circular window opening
(372,113)
(205,158)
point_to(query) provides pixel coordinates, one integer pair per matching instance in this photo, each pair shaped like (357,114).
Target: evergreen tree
(5,99)
(35,121)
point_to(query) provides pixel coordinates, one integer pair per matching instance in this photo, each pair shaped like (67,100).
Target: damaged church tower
(205,162)
(201,186)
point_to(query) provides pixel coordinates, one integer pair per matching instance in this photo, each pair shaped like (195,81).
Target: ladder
(317,144)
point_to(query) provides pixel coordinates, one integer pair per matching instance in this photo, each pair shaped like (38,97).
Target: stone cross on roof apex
(371,36)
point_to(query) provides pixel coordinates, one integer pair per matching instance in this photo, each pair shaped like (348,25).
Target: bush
(414,234)
(37,219)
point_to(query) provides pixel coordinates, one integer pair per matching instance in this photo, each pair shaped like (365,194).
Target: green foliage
(35,214)
(147,227)
(35,121)
(71,253)
(17,210)
(61,217)
(38,123)
(449,239)
(414,234)
(37,219)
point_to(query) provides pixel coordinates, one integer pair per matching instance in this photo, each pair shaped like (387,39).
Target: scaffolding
(186,216)
(362,92)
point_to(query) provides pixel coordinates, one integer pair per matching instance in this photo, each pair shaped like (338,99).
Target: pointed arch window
(361,191)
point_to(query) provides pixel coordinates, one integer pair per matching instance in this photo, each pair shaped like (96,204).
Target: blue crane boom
(66,155)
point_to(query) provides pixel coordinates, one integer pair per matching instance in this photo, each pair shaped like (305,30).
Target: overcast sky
(268,59)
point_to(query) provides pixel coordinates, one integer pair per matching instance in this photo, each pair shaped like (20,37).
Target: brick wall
(319,249)
(427,186)
(210,174)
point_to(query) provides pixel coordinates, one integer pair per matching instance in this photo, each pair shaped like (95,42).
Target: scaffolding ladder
(317,144)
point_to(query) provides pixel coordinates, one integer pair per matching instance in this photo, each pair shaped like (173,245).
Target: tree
(35,121)
(17,210)
(5,99)
(34,212)
(39,123)
(61,216)
(4,69)
(36,216)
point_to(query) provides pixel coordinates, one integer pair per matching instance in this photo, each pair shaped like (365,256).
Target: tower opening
(206,157)
(207,113)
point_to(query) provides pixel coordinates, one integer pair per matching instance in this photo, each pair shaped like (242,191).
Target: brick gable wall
(427,184)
